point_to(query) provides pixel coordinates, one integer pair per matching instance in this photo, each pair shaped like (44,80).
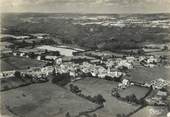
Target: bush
(17,74)
(99,99)
(131,98)
(61,79)
(67,114)
(6,87)
(74,89)
(120,115)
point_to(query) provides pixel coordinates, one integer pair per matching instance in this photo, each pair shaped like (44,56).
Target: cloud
(85,5)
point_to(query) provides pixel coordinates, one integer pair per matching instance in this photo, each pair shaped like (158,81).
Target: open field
(112,106)
(161,53)
(63,51)
(12,82)
(151,111)
(143,74)
(138,91)
(18,63)
(42,100)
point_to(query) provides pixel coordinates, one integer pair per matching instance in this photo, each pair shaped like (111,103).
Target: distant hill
(95,31)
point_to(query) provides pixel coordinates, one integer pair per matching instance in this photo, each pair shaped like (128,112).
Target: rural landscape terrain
(85,65)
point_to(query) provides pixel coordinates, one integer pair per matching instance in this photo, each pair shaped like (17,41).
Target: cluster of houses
(149,61)
(159,83)
(158,98)
(110,68)
(87,69)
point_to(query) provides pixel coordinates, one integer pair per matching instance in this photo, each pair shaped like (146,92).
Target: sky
(86,6)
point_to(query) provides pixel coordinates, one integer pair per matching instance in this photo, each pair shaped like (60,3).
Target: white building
(7,74)
(124,63)
(152,59)
(125,82)
(48,57)
(58,61)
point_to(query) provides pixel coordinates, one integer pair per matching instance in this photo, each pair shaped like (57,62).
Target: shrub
(67,114)
(99,99)
(74,89)
(6,87)
(17,74)
(61,79)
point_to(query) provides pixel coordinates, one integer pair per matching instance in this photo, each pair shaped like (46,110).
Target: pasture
(143,74)
(42,100)
(112,106)
(63,51)
(19,63)
(139,92)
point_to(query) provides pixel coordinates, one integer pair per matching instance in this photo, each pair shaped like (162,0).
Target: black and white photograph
(85,58)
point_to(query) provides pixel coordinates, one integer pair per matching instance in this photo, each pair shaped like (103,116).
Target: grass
(143,74)
(63,51)
(112,106)
(42,100)
(138,91)
(161,53)
(151,111)
(18,63)
(12,82)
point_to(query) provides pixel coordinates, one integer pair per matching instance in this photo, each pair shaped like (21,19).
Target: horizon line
(82,13)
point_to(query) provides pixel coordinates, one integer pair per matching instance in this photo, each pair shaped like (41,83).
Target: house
(152,59)
(159,83)
(124,63)
(130,59)
(14,53)
(168,114)
(6,74)
(58,61)
(38,57)
(72,73)
(50,57)
(125,82)
(162,94)
(121,86)
(102,74)
(21,54)
(47,70)
(155,101)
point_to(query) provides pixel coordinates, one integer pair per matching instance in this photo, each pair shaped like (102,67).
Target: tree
(32,55)
(17,74)
(67,114)
(140,52)
(6,87)
(46,51)
(168,106)
(131,98)
(99,99)
(120,115)
(74,89)
(33,44)
(94,115)
(54,72)
(165,48)
(117,94)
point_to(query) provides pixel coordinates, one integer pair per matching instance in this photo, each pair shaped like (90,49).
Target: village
(85,58)
(74,65)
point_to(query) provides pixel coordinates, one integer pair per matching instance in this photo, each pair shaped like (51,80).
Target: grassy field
(18,63)
(151,111)
(42,100)
(112,106)
(12,82)
(63,51)
(159,53)
(138,91)
(143,74)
